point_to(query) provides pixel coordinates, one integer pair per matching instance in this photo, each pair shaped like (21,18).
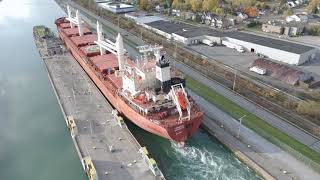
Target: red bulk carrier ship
(146,91)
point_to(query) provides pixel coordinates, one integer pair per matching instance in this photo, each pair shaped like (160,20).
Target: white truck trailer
(207,42)
(231,45)
(258,70)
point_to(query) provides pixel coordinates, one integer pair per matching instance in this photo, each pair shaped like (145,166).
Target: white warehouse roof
(270,42)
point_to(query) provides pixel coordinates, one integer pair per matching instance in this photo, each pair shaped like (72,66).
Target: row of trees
(219,7)
(309,108)
(197,5)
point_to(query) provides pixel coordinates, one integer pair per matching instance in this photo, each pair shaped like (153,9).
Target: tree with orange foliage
(144,4)
(251,11)
(196,5)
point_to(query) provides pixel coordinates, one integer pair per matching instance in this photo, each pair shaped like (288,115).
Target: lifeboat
(181,100)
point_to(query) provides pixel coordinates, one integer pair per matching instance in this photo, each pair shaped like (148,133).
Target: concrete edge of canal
(213,129)
(113,155)
(236,151)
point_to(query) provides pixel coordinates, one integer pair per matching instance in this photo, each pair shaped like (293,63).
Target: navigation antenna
(150,48)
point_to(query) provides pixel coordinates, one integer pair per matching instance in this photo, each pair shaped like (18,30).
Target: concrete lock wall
(276,54)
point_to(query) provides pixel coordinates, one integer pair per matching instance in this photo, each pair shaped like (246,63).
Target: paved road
(265,154)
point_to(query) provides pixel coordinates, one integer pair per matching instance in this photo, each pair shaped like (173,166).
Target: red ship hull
(179,132)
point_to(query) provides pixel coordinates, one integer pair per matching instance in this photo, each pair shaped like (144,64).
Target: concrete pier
(106,150)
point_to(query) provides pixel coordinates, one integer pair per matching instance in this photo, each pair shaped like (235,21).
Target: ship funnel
(120,51)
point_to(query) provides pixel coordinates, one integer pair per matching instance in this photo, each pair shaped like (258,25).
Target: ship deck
(97,129)
(103,67)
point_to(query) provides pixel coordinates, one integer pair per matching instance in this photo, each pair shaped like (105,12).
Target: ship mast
(75,20)
(163,75)
(115,48)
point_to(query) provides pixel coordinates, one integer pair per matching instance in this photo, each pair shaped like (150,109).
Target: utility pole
(240,124)
(234,80)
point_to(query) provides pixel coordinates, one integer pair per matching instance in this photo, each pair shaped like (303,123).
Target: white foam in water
(204,164)
(200,161)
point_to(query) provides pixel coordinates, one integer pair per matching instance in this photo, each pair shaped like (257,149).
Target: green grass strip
(252,121)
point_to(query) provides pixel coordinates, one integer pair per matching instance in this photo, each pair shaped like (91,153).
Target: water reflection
(13,9)
(34,141)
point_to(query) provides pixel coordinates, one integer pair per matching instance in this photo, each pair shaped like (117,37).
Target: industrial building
(282,72)
(184,33)
(142,18)
(280,50)
(196,35)
(284,51)
(166,28)
(117,8)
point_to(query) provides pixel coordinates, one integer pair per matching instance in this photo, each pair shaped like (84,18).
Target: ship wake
(200,159)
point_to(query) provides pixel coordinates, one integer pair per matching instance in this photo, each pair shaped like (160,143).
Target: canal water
(34,141)
(202,158)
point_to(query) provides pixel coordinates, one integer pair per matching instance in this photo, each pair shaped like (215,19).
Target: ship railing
(174,89)
(131,102)
(149,108)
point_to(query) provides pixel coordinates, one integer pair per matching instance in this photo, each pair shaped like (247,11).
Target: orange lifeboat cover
(181,100)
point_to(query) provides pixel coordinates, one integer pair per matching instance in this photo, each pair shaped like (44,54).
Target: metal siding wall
(276,54)
(214,39)
(179,38)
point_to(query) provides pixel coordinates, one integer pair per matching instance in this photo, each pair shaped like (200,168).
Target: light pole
(234,80)
(240,124)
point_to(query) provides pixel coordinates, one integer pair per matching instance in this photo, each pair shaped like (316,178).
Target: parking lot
(243,61)
(231,57)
